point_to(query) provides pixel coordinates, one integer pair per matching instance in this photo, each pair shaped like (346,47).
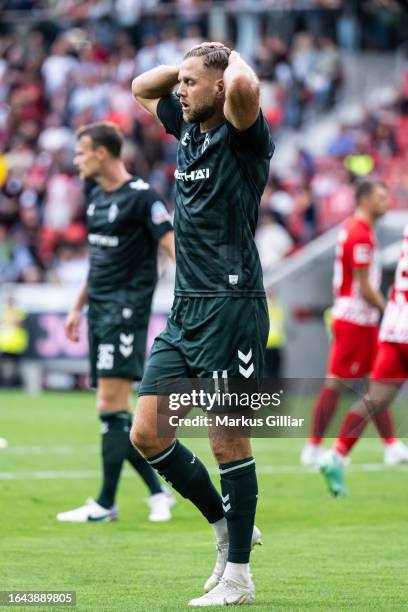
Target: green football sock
(115,448)
(187,475)
(239,497)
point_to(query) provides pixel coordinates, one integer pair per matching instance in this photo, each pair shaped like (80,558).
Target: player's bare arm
(371,295)
(241,106)
(149,87)
(74,316)
(167,243)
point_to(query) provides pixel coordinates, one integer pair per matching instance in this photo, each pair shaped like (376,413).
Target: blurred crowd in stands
(55,78)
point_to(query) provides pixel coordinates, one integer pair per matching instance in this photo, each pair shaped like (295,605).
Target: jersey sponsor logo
(185,139)
(194,175)
(90,211)
(113,212)
(205,143)
(159,213)
(362,253)
(105,357)
(106,241)
(139,185)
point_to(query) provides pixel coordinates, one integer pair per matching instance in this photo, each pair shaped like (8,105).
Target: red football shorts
(353,349)
(391,363)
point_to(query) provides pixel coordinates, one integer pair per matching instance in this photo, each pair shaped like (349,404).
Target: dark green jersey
(124,228)
(220,177)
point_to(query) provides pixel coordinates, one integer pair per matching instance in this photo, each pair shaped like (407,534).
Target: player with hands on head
(218,326)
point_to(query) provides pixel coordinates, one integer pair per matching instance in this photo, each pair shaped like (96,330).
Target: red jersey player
(389,372)
(358,304)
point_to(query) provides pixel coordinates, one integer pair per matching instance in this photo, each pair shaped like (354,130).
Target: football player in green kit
(126,222)
(218,326)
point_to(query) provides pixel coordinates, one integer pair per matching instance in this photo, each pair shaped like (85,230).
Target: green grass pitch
(319,553)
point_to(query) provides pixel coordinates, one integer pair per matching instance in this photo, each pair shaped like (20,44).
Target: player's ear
(102,152)
(220,87)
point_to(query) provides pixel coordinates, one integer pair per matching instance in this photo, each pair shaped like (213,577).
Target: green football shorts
(117,345)
(222,337)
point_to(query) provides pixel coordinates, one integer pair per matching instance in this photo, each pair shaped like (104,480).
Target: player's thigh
(113,394)
(352,349)
(226,337)
(166,361)
(391,364)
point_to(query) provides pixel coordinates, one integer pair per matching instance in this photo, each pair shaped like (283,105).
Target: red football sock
(323,412)
(351,430)
(385,424)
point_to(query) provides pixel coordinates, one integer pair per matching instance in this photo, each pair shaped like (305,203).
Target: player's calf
(179,466)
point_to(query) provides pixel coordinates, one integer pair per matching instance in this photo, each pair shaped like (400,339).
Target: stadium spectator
(13,343)
(70,264)
(272,240)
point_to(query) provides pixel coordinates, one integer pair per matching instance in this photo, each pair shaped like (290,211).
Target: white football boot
(226,593)
(3,443)
(311,454)
(222,554)
(91,511)
(395,453)
(160,505)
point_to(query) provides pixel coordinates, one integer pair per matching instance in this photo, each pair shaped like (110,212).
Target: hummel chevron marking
(245,358)
(126,339)
(246,373)
(126,350)
(226,506)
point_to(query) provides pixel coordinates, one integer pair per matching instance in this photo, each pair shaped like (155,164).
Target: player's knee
(226,449)
(142,439)
(223,454)
(105,401)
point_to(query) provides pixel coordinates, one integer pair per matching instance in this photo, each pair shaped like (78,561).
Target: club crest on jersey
(194,175)
(113,212)
(90,211)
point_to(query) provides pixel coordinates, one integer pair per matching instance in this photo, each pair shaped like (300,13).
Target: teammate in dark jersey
(126,221)
(218,326)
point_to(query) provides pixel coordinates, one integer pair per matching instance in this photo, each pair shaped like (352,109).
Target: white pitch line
(263,469)
(50,450)
(88,449)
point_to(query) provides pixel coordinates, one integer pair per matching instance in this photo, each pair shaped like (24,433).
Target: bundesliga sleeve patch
(159,213)
(362,253)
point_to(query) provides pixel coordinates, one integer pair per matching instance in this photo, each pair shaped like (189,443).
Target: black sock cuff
(236,467)
(124,415)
